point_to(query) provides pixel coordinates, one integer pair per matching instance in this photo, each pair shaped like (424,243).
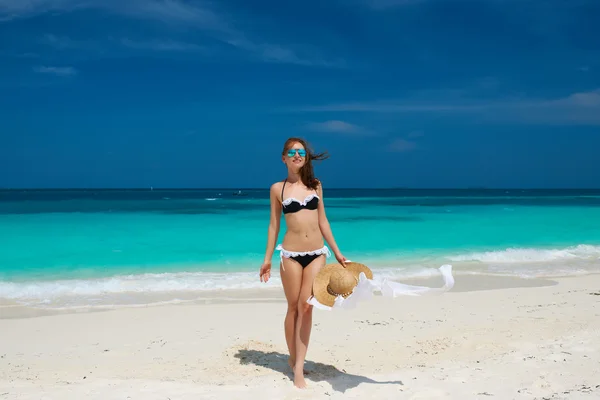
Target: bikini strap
(283,187)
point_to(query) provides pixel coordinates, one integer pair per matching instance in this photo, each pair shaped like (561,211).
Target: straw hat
(333,280)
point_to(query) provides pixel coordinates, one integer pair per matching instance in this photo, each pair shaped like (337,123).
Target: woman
(302,252)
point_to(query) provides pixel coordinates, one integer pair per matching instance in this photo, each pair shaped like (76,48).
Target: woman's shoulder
(318,185)
(277,185)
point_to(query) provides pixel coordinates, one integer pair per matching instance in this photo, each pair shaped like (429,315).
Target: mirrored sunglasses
(292,152)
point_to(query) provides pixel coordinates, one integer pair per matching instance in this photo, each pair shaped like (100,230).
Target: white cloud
(275,53)
(164,10)
(60,42)
(336,126)
(12,9)
(402,145)
(59,71)
(393,107)
(161,45)
(415,134)
(581,108)
(112,45)
(383,4)
(195,15)
(169,11)
(584,99)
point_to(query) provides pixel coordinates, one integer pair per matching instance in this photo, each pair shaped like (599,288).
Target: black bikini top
(292,205)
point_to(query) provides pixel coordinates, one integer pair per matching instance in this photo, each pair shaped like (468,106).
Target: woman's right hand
(265,272)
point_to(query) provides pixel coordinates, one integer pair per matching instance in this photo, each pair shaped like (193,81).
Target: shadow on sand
(339,380)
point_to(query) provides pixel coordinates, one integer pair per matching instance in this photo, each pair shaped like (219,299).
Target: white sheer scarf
(366,288)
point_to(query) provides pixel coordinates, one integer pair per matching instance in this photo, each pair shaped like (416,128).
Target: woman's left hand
(341,259)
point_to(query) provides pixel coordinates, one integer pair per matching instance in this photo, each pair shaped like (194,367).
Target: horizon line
(150,189)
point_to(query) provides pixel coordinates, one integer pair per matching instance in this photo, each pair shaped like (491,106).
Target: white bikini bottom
(303,257)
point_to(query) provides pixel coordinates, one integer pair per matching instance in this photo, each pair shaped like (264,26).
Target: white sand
(504,343)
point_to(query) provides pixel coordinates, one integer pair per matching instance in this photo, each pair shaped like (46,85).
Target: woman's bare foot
(299,381)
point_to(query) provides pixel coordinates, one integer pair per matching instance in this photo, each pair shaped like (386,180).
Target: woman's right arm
(274,222)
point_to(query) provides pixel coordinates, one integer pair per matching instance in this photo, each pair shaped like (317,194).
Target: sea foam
(142,283)
(518,262)
(525,255)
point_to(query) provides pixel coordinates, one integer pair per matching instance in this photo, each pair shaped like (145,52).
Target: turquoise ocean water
(86,247)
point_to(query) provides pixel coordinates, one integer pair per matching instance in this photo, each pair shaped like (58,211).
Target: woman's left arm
(326,228)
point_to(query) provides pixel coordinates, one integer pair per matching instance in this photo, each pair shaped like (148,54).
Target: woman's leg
(291,278)
(304,321)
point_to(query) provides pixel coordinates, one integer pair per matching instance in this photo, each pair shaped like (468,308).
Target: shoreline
(486,338)
(464,282)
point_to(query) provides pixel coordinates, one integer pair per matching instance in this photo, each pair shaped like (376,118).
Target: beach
(133,294)
(489,337)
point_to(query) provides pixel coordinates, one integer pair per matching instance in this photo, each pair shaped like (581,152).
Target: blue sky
(410,93)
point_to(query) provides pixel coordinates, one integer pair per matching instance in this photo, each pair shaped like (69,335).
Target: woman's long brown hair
(307,174)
